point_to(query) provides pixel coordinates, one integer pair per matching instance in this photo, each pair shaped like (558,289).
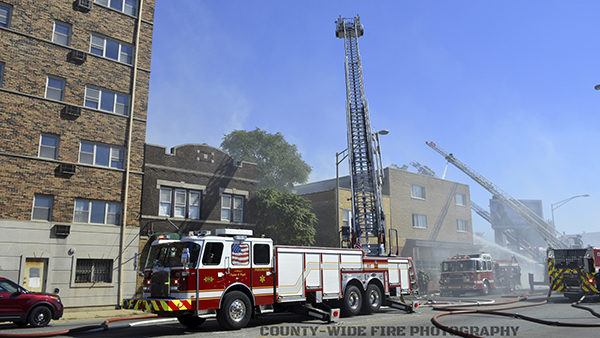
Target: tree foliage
(279,164)
(285,217)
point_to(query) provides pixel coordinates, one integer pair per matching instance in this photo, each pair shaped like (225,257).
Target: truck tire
(352,302)
(40,316)
(190,321)
(372,299)
(235,311)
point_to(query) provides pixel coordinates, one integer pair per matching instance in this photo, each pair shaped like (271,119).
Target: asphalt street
(388,322)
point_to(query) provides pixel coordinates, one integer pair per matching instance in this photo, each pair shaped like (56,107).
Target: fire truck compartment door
(394,273)
(404,279)
(331,274)
(313,271)
(290,268)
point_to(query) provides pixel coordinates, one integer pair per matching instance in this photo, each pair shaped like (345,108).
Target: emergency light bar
(233,232)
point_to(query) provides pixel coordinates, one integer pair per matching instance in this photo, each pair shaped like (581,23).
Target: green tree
(285,217)
(279,164)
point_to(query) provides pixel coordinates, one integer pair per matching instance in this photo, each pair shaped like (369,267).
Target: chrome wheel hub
(237,310)
(353,300)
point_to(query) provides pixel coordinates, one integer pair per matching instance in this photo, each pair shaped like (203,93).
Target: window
(461,199)
(99,212)
(5,11)
(212,253)
(419,221)
(417,191)
(262,254)
(1,73)
(106,100)
(42,207)
(62,33)
(55,88)
(111,49)
(184,203)
(101,155)
(461,225)
(346,215)
(232,208)
(48,146)
(125,6)
(93,271)
(240,254)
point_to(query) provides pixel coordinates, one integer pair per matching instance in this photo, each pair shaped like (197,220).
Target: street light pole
(558,204)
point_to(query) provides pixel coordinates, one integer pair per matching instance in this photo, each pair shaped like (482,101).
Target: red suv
(25,307)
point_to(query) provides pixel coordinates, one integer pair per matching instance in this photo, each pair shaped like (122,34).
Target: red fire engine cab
(465,273)
(237,277)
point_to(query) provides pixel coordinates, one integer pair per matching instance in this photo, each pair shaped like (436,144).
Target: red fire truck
(238,277)
(477,272)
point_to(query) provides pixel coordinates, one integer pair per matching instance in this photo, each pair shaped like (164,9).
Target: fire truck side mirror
(185,257)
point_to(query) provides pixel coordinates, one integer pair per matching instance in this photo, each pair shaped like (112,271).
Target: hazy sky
(506,86)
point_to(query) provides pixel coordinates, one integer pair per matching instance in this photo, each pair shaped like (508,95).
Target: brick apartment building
(432,216)
(74,79)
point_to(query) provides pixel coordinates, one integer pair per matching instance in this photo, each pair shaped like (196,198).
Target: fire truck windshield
(456,266)
(169,254)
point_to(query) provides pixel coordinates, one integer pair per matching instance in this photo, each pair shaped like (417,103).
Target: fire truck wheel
(235,311)
(485,288)
(191,321)
(352,302)
(372,300)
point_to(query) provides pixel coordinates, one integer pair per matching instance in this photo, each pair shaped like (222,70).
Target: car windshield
(458,266)
(169,254)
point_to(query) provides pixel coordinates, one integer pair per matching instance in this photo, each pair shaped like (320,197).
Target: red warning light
(335,313)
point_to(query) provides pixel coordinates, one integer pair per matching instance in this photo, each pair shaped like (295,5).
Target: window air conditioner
(82,5)
(67,168)
(62,229)
(72,112)
(77,57)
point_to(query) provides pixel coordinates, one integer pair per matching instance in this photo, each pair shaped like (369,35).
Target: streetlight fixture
(558,204)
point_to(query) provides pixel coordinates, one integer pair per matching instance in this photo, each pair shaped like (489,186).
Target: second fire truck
(477,272)
(574,272)
(237,277)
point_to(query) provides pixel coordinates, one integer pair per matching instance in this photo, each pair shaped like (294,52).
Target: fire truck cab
(237,276)
(464,273)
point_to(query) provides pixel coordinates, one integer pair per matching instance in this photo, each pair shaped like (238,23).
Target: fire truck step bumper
(158,305)
(331,316)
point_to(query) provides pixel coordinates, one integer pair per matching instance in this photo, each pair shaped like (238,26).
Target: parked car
(23,307)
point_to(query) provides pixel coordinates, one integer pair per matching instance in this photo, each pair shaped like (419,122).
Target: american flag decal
(239,254)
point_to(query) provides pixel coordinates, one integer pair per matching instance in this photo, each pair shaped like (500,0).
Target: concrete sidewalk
(101,313)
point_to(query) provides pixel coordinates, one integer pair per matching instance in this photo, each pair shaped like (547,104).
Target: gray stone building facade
(74,79)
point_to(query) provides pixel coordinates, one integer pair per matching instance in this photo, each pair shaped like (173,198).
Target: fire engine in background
(574,272)
(237,277)
(477,272)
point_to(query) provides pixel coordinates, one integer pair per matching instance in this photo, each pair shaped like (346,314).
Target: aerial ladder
(545,230)
(368,224)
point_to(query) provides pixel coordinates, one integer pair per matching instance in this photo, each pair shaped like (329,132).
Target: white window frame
(172,202)
(62,89)
(111,157)
(464,199)
(346,217)
(123,9)
(231,209)
(462,225)
(42,146)
(417,219)
(98,100)
(94,266)
(35,199)
(89,211)
(8,9)
(414,192)
(55,33)
(120,52)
